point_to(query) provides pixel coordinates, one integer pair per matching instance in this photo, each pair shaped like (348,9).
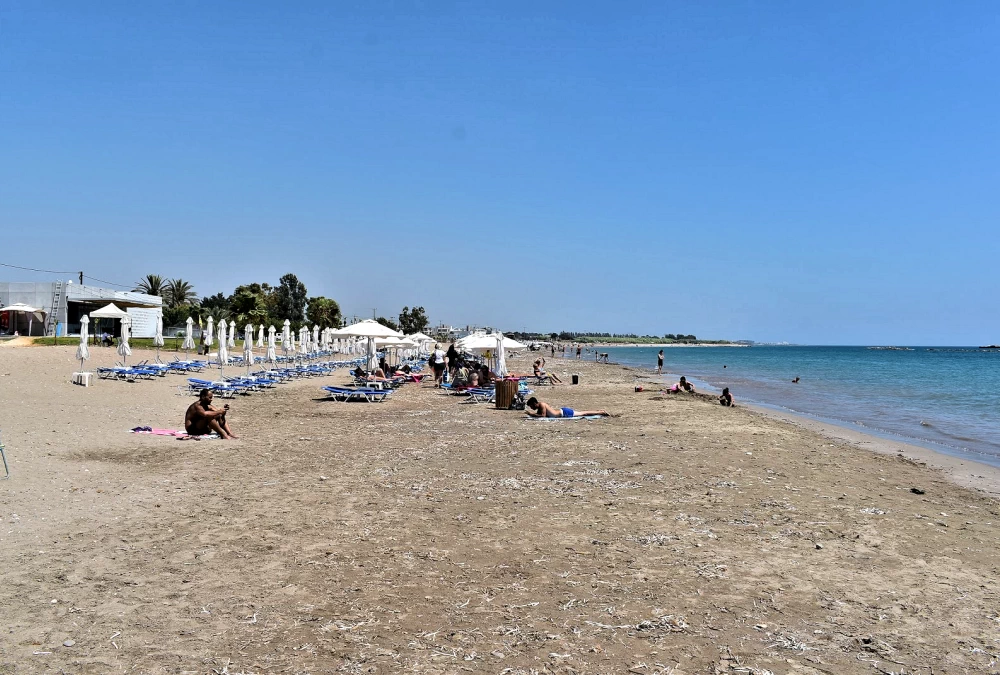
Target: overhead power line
(35,269)
(32,269)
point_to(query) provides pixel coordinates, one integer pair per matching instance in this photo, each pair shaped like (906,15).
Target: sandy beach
(429,535)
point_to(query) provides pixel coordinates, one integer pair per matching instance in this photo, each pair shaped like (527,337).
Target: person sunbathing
(201,418)
(538,408)
(539,370)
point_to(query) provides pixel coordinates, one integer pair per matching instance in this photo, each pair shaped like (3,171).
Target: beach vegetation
(323,312)
(388,322)
(177,292)
(413,320)
(290,299)
(151,284)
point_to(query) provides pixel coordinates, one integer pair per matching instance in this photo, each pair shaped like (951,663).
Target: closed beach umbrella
(248,346)
(188,336)
(372,357)
(158,338)
(501,369)
(286,334)
(232,335)
(223,349)
(315,340)
(124,350)
(209,331)
(82,352)
(271,356)
(260,336)
(303,340)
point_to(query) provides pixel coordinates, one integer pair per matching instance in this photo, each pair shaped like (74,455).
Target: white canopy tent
(21,307)
(109,311)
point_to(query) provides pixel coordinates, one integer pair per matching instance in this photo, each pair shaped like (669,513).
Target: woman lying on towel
(538,408)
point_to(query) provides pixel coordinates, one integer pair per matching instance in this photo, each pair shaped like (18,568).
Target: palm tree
(151,284)
(179,292)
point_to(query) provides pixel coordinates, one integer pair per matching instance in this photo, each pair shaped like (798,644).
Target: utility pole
(373,312)
(81,278)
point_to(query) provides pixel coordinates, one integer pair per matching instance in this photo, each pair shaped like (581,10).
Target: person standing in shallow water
(659,363)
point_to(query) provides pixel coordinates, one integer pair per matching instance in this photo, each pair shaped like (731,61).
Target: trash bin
(576,379)
(506,391)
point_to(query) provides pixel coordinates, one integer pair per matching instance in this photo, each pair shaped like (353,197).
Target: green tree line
(261,303)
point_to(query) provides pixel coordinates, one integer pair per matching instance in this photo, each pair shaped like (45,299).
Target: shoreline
(963,471)
(428,534)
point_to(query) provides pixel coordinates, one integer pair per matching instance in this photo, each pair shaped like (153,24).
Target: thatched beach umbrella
(188,337)
(123,348)
(82,352)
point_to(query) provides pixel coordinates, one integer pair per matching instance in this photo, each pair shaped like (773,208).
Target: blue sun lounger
(346,394)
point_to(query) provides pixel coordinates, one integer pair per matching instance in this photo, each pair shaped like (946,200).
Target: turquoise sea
(943,398)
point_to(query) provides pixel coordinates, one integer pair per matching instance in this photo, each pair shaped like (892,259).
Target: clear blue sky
(814,172)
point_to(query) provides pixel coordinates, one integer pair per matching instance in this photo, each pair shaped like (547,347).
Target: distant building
(62,303)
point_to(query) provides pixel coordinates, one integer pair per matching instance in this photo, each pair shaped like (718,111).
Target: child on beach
(682,386)
(726,399)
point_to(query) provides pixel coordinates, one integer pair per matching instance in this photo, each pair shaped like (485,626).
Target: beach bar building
(62,303)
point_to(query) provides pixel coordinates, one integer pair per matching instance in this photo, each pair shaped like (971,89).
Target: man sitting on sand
(726,399)
(201,418)
(538,408)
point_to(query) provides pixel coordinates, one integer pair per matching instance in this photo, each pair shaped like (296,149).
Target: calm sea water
(945,398)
